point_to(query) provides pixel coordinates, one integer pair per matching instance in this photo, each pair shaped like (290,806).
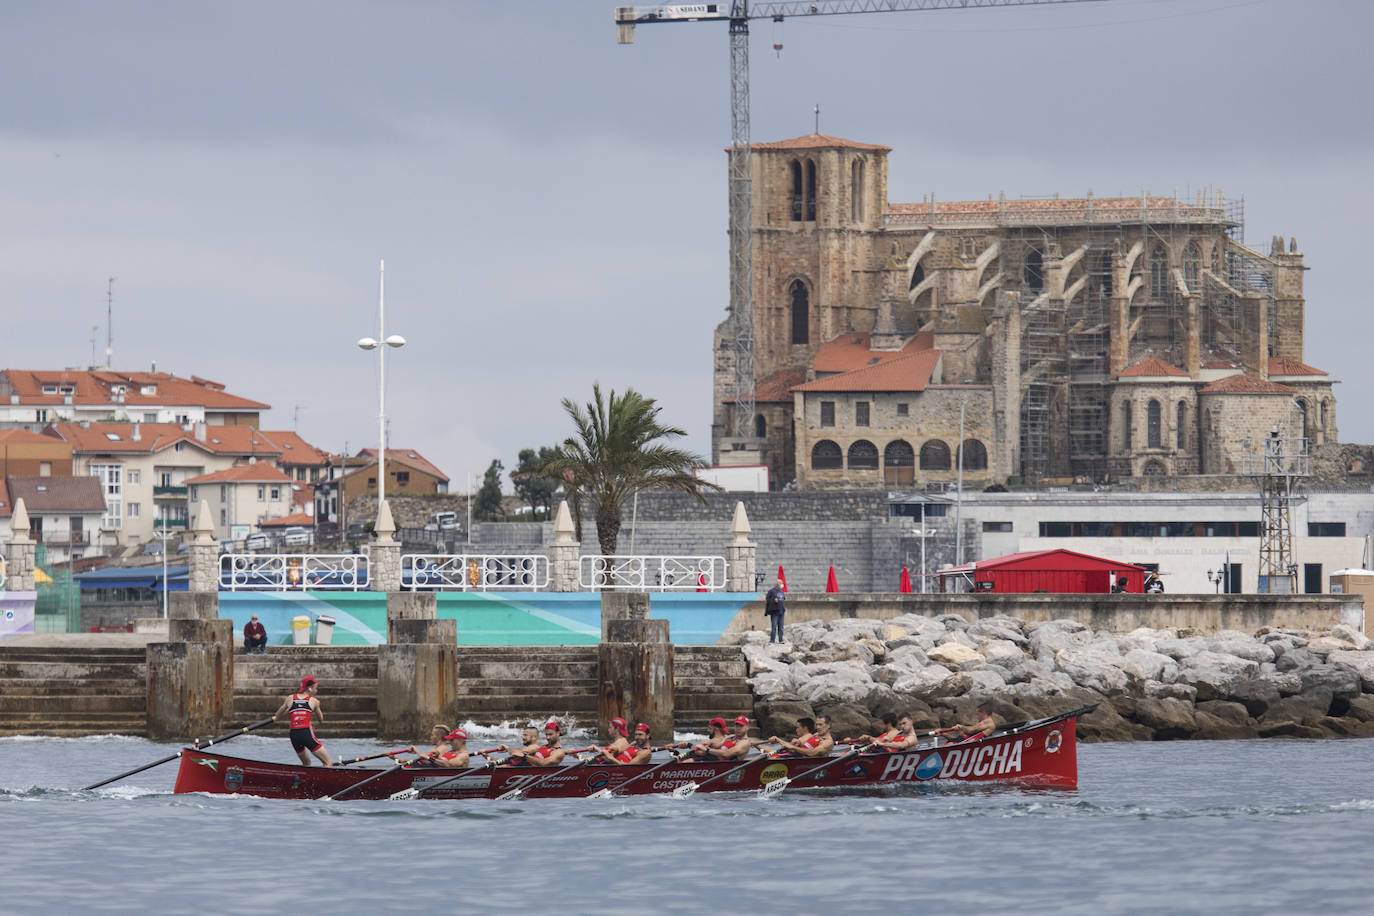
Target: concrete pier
(190,685)
(417,669)
(635,674)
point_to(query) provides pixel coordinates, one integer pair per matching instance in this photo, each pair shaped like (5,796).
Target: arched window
(863,456)
(801,312)
(1154,435)
(935,456)
(1159,272)
(1302,413)
(918,276)
(1192,266)
(1126,425)
(974,456)
(798,191)
(856,191)
(1153,468)
(899,463)
(810,191)
(826,456)
(1034,272)
(1182,426)
(760,427)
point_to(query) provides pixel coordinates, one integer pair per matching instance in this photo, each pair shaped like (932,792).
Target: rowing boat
(1038,753)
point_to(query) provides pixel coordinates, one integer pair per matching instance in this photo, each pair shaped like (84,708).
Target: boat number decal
(210,762)
(773,771)
(1053,740)
(233,778)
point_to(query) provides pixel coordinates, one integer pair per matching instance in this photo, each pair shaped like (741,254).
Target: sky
(551,206)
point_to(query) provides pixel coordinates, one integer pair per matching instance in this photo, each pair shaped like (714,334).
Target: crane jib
(693,12)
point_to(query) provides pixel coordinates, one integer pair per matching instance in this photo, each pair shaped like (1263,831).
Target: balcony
(169,523)
(169,492)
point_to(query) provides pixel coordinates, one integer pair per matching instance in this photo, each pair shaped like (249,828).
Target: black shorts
(303,739)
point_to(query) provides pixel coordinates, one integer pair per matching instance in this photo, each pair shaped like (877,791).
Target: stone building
(1069,337)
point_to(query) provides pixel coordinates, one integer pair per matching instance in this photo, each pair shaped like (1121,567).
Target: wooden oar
(407,794)
(358,785)
(607,793)
(776,786)
(691,787)
(344,763)
(195,747)
(515,793)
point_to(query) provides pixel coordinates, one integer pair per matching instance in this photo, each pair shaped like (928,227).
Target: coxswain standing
(551,754)
(639,752)
(303,706)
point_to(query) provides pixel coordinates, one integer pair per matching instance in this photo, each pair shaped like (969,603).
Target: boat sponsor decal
(930,767)
(477,780)
(856,770)
(210,762)
(598,780)
(988,760)
(772,772)
(233,778)
(1053,740)
(296,783)
(733,777)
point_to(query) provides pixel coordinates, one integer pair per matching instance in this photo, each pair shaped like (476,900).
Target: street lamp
(369,343)
(923,534)
(1217,577)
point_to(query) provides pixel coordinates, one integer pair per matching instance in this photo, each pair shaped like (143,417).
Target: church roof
(905,373)
(1246,384)
(1153,368)
(776,388)
(853,351)
(819,141)
(1281,365)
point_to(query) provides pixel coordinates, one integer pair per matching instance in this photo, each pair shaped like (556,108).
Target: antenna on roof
(109,322)
(296,416)
(95,330)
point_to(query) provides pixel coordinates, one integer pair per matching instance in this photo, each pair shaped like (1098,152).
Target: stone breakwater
(1148,684)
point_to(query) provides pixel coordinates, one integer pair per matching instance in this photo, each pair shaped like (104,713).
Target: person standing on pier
(775,608)
(303,707)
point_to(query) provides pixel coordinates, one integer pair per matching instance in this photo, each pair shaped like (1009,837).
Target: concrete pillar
(203,554)
(19,558)
(622,606)
(417,677)
(634,673)
(384,561)
(1254,348)
(192,605)
(409,606)
(564,553)
(190,688)
(1193,348)
(740,555)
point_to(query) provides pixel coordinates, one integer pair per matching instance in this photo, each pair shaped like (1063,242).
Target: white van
(442,521)
(296,536)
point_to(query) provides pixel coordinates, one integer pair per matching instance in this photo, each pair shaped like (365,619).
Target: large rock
(1054,684)
(1007,629)
(1026,670)
(1360,663)
(987,680)
(1292,710)
(953,654)
(779,717)
(1213,674)
(1351,635)
(1361,708)
(1105,724)
(1342,682)
(1160,691)
(1152,666)
(1296,659)
(846,720)
(1256,695)
(933,681)
(1323,645)
(1226,711)
(1143,638)
(1215,728)
(1095,668)
(840,682)
(772,684)
(888,632)
(1170,719)
(1002,652)
(1180,649)
(1054,636)
(1231,642)
(765,657)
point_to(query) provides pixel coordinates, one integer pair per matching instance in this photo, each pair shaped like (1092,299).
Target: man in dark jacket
(775,606)
(255,636)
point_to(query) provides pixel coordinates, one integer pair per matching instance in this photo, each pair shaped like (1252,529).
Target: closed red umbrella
(782,578)
(701,581)
(830,584)
(905,587)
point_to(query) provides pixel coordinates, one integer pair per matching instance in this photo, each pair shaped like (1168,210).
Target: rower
(906,736)
(529,740)
(737,745)
(551,754)
(438,737)
(983,728)
(807,742)
(456,757)
(639,752)
(303,706)
(716,737)
(621,740)
(889,731)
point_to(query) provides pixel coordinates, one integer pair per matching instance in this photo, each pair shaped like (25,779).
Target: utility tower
(1276,461)
(738,13)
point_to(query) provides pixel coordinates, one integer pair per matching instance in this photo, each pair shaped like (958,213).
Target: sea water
(1219,827)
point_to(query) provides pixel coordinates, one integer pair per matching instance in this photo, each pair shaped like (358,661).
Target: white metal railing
(286,571)
(464,572)
(648,573)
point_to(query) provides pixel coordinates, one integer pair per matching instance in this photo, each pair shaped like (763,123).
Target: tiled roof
(819,141)
(295,450)
(97,387)
(48,495)
(23,435)
(1152,367)
(851,351)
(260,472)
(154,437)
(905,373)
(777,387)
(1062,206)
(1245,384)
(287,521)
(405,456)
(1281,365)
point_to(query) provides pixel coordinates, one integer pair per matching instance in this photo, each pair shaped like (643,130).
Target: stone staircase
(348,687)
(519,684)
(709,681)
(72,691)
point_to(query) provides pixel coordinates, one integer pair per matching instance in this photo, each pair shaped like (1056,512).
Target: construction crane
(738,13)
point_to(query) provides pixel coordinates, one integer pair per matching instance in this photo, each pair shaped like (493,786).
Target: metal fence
(287,571)
(650,573)
(57,607)
(473,572)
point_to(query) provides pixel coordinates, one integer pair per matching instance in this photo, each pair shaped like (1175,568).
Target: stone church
(1082,338)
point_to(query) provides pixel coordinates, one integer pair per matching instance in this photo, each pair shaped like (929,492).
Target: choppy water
(1221,827)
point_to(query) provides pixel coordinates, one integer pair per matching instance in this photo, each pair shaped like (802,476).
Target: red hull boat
(1039,753)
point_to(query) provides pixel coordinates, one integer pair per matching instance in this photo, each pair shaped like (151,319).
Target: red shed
(1058,570)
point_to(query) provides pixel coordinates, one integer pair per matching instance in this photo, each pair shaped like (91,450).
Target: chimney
(200,431)
(134,434)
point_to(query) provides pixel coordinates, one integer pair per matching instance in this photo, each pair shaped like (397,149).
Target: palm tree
(615,453)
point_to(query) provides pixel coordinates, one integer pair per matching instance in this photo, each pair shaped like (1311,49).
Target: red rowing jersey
(545,751)
(811,741)
(728,743)
(300,711)
(628,755)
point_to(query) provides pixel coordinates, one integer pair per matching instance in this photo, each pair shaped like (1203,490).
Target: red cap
(456,733)
(307,681)
(718,722)
(551,724)
(741,720)
(641,727)
(619,725)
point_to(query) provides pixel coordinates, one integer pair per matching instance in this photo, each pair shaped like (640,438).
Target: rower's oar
(344,763)
(515,793)
(776,786)
(607,793)
(195,746)
(412,792)
(691,787)
(358,785)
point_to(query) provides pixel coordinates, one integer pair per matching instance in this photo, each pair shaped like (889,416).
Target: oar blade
(601,793)
(512,795)
(405,795)
(775,787)
(686,791)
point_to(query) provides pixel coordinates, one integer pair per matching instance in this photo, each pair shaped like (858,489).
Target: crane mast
(738,13)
